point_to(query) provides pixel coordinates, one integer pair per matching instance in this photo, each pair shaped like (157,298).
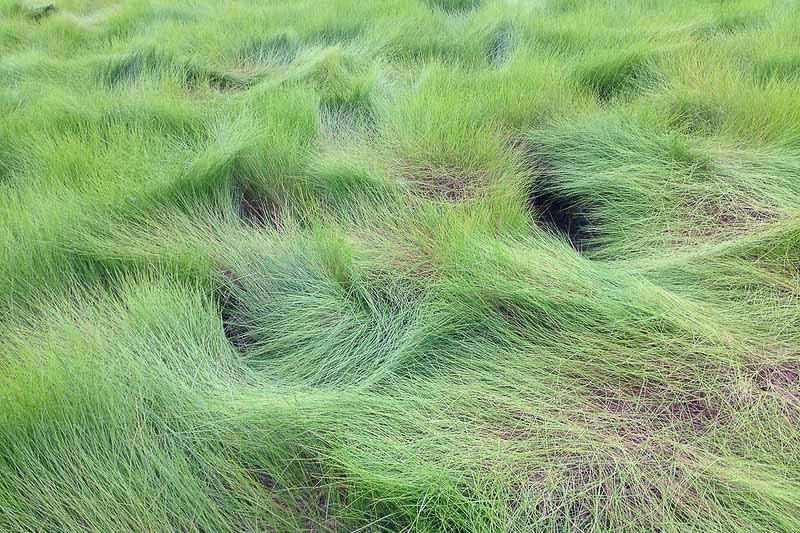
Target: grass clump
(281,48)
(399,266)
(614,74)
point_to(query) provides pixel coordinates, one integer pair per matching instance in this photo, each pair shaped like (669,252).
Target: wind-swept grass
(447,265)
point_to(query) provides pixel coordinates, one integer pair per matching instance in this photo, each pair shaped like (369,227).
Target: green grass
(417,265)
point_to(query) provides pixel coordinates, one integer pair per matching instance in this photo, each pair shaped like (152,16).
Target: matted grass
(417,265)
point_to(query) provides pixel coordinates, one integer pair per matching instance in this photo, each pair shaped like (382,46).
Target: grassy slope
(400,265)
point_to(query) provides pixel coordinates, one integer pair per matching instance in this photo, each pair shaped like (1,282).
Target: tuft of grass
(281,48)
(501,45)
(614,74)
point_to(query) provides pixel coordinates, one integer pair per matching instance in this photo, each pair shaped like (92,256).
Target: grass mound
(427,265)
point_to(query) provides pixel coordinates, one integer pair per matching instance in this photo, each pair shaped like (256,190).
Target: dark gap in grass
(259,212)
(454,7)
(229,305)
(560,215)
(501,45)
(555,209)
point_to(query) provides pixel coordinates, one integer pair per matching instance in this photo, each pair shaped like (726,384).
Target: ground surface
(462,265)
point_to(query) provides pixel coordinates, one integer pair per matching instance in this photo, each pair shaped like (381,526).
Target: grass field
(400,265)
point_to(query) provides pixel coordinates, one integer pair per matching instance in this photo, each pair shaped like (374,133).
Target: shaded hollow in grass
(560,214)
(259,211)
(552,205)
(229,305)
